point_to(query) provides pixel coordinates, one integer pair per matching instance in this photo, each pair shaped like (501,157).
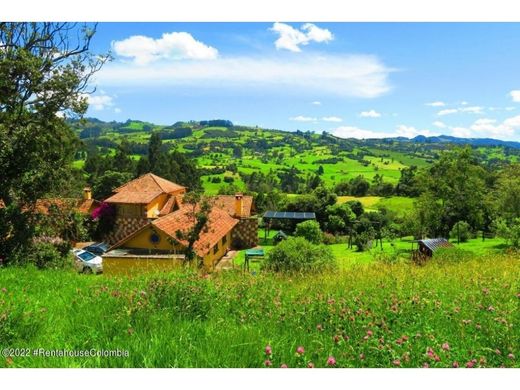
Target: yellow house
(148,196)
(141,200)
(159,245)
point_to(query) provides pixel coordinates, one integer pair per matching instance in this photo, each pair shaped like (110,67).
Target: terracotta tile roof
(42,206)
(168,206)
(227,203)
(137,197)
(218,225)
(150,183)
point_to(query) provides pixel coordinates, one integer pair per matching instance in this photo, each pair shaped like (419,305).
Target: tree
(455,184)
(359,186)
(460,231)
(107,182)
(154,151)
(122,162)
(408,184)
(44,73)
(199,210)
(509,230)
(310,230)
(340,218)
(508,192)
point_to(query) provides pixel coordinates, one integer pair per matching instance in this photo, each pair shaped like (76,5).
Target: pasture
(444,314)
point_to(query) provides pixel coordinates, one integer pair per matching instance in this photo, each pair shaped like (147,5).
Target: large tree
(455,187)
(44,73)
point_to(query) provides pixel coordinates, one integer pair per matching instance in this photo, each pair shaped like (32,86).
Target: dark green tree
(359,186)
(108,181)
(154,151)
(44,74)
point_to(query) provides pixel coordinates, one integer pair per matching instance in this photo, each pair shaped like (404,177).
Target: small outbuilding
(429,246)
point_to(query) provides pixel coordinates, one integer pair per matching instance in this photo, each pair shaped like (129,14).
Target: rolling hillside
(225,151)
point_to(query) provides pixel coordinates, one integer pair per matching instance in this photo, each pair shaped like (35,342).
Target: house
(83,205)
(137,202)
(159,240)
(151,217)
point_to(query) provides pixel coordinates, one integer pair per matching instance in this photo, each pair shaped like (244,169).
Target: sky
(358,80)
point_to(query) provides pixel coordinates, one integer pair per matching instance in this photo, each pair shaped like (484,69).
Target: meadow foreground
(444,314)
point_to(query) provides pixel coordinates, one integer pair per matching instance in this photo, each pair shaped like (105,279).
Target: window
(215,249)
(224,240)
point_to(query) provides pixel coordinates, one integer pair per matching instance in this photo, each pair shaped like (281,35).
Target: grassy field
(444,314)
(348,257)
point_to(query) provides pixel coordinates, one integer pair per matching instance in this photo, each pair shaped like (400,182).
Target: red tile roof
(227,203)
(219,224)
(138,197)
(144,189)
(150,183)
(42,206)
(168,206)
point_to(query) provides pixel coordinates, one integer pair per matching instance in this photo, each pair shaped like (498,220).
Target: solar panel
(289,215)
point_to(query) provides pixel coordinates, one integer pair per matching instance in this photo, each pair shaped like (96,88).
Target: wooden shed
(429,246)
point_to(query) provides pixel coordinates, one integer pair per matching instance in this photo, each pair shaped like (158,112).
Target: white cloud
(461,132)
(464,103)
(331,119)
(439,124)
(343,75)
(174,46)
(447,111)
(436,104)
(400,131)
(369,114)
(471,110)
(515,95)
(356,132)
(302,118)
(410,131)
(486,127)
(291,38)
(117,110)
(99,102)
(316,103)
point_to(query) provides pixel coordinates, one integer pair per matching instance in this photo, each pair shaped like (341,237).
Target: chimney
(239,205)
(87,193)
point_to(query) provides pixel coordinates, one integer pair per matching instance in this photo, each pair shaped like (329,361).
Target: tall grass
(379,315)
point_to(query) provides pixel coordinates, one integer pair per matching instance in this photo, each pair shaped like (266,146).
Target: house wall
(153,208)
(142,241)
(245,233)
(130,265)
(123,227)
(211,259)
(127,210)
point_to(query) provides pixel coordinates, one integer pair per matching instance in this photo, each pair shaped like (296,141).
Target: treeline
(106,172)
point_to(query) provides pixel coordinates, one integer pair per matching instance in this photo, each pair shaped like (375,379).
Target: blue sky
(350,79)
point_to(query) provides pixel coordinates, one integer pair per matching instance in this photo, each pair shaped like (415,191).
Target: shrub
(329,239)
(461,231)
(296,254)
(46,254)
(310,230)
(363,240)
(510,231)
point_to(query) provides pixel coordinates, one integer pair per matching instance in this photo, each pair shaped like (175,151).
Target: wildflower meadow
(456,314)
